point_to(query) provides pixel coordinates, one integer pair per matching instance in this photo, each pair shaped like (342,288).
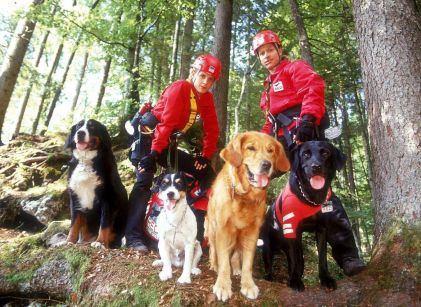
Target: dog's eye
(178,180)
(251,148)
(307,154)
(325,153)
(270,150)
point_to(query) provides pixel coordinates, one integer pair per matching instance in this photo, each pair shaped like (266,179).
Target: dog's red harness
(290,211)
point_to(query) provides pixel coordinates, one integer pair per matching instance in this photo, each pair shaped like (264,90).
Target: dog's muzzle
(260,180)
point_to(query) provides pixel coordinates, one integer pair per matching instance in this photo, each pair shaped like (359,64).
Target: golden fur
(237,207)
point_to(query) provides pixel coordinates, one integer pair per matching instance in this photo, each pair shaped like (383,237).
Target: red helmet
(209,64)
(265,37)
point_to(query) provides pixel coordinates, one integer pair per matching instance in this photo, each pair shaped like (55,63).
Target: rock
(53,277)
(56,240)
(45,208)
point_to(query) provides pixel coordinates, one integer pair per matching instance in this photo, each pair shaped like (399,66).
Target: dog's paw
(296,284)
(98,245)
(165,275)
(250,290)
(222,292)
(236,271)
(196,271)
(158,262)
(184,279)
(328,282)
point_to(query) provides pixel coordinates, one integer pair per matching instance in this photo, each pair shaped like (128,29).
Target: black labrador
(302,207)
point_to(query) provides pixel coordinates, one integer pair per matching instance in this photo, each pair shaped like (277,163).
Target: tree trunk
(103,84)
(29,88)
(389,35)
(302,33)
(174,55)
(221,49)
(79,81)
(12,63)
(58,90)
(354,201)
(243,93)
(186,54)
(47,88)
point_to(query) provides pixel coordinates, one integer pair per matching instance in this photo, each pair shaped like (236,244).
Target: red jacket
(290,211)
(173,110)
(294,83)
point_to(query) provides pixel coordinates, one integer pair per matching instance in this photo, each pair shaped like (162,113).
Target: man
(176,110)
(293,102)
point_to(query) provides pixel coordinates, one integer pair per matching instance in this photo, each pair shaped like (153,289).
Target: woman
(178,107)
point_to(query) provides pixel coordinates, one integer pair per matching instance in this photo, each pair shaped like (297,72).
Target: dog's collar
(233,183)
(305,196)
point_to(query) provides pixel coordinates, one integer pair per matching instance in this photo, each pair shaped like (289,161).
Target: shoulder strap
(193,112)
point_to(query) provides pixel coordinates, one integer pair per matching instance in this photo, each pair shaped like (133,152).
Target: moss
(396,261)
(20,277)
(79,262)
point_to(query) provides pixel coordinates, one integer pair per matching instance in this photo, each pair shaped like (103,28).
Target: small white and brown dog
(177,230)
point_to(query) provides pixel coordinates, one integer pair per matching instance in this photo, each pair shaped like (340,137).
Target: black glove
(147,163)
(305,130)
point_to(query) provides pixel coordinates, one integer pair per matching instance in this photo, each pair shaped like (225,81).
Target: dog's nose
(170,195)
(316,168)
(81,135)
(265,165)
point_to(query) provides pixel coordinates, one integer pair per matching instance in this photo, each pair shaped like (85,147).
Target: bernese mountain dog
(98,199)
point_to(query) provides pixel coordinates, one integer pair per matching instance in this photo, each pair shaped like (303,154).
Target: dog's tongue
(261,180)
(317,182)
(81,145)
(170,204)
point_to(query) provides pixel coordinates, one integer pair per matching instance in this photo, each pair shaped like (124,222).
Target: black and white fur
(98,199)
(177,230)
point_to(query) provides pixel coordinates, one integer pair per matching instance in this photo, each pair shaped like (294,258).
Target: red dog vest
(290,211)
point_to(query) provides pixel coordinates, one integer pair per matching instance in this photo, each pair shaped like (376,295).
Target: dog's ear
(294,156)
(339,158)
(232,152)
(282,162)
(104,135)
(70,141)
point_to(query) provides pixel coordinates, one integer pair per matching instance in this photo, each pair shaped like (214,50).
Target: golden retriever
(237,207)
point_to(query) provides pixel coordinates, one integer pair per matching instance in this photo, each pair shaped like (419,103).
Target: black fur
(307,160)
(110,205)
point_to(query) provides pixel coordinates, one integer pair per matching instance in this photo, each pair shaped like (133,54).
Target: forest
(66,60)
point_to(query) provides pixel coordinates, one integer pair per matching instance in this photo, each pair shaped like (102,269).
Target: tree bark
(58,90)
(79,81)
(221,49)
(47,87)
(174,54)
(186,53)
(12,64)
(103,83)
(389,36)
(29,88)
(302,32)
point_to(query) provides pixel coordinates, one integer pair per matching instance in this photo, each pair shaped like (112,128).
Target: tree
(13,62)
(302,32)
(221,49)
(389,47)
